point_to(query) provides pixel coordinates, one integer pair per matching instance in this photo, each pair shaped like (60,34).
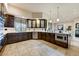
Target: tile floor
(38,48)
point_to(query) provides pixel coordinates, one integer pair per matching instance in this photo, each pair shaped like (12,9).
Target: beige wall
(18,12)
(37,14)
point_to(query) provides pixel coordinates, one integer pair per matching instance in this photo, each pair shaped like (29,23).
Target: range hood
(37,15)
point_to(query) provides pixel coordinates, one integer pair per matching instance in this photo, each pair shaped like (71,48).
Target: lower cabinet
(17,37)
(52,38)
(49,37)
(11,38)
(39,35)
(43,35)
(29,35)
(62,44)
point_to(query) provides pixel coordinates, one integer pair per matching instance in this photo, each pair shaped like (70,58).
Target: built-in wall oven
(61,37)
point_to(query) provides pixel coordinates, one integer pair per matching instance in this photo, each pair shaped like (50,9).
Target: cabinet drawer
(62,44)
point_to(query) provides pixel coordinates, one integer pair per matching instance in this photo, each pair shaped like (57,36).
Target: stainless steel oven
(61,37)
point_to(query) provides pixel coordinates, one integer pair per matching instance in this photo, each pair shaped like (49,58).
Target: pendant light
(6,6)
(58,14)
(1,9)
(50,17)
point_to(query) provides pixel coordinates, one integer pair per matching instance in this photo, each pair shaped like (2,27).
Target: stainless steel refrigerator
(1,31)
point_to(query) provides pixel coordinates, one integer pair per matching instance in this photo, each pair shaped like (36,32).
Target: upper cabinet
(20,24)
(36,23)
(9,20)
(43,23)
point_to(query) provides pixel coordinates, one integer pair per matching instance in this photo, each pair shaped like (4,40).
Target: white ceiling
(67,11)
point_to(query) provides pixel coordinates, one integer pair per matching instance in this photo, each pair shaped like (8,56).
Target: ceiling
(67,11)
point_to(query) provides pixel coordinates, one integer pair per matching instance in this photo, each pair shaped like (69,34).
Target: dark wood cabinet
(49,37)
(36,23)
(9,20)
(62,44)
(33,23)
(43,35)
(52,38)
(10,38)
(39,35)
(24,36)
(29,35)
(17,37)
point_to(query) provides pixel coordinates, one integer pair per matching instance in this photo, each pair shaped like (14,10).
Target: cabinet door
(11,38)
(19,37)
(43,37)
(29,23)
(48,37)
(39,35)
(62,44)
(23,25)
(33,23)
(38,23)
(24,36)
(9,20)
(29,35)
(42,23)
(52,38)
(17,24)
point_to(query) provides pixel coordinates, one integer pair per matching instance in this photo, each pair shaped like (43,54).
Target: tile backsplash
(9,30)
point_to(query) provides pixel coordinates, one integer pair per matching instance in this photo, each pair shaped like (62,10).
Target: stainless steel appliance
(61,37)
(1,32)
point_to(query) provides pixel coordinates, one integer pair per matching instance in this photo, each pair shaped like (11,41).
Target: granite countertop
(12,30)
(36,31)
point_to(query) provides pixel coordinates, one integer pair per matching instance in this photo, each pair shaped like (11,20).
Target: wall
(18,12)
(37,14)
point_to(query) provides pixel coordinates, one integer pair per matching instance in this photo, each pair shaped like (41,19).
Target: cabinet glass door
(34,23)
(29,23)
(38,23)
(42,23)
(17,24)
(23,24)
